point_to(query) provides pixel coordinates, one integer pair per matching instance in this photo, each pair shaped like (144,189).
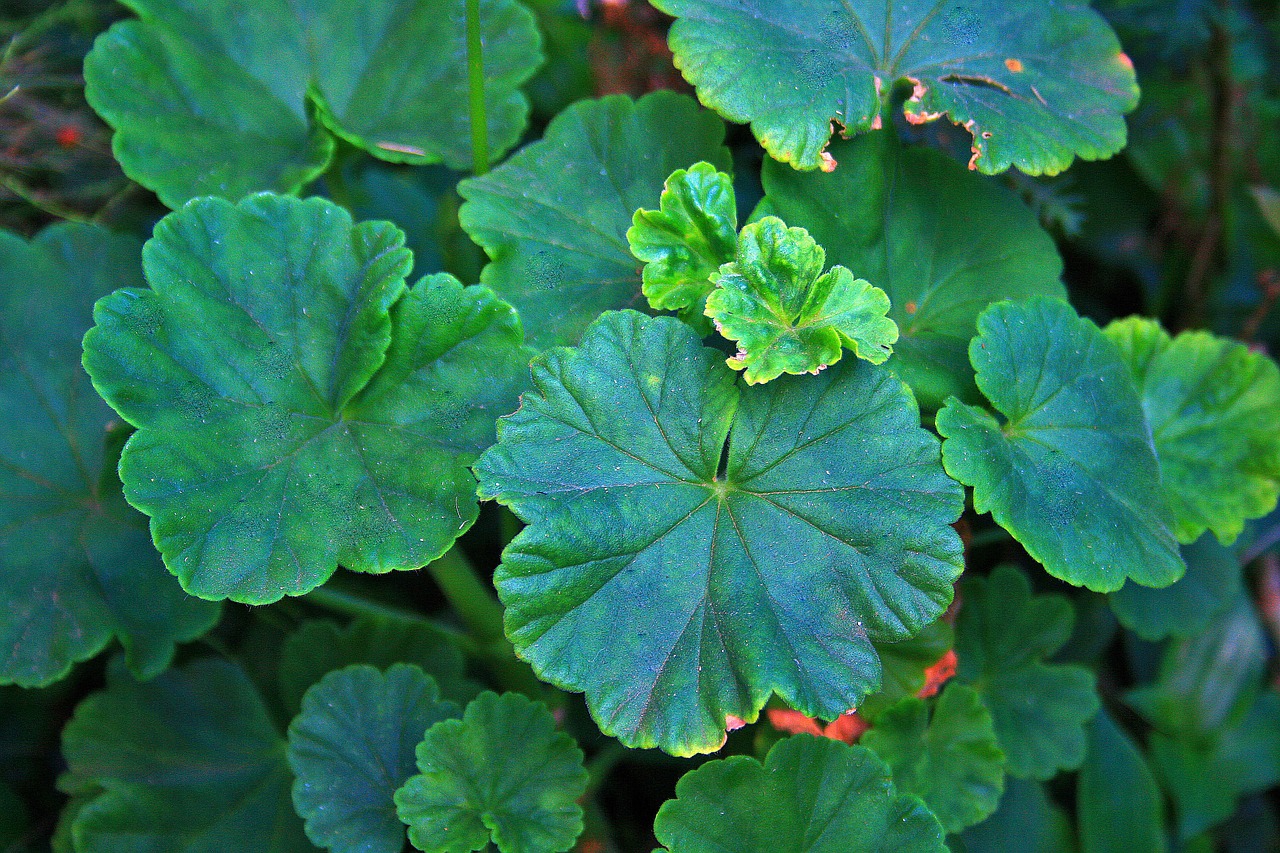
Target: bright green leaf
(76,564)
(945,752)
(942,242)
(190,761)
(352,746)
(786,314)
(811,795)
(675,596)
(1120,806)
(1026,822)
(1212,406)
(1185,608)
(554,217)
(226,97)
(1070,472)
(903,665)
(1003,635)
(1035,84)
(501,773)
(297,406)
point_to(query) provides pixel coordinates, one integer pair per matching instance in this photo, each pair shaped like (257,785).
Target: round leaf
(352,746)
(554,217)
(1036,84)
(675,596)
(1070,473)
(1185,608)
(811,795)
(76,565)
(297,407)
(501,773)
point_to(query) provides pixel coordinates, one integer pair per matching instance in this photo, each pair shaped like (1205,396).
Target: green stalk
(475,81)
(350,604)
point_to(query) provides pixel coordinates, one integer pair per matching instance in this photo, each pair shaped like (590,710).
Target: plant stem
(475,81)
(36,200)
(601,765)
(351,604)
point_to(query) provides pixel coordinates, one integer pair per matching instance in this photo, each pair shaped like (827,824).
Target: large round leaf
(944,244)
(1036,83)
(1070,472)
(297,407)
(76,565)
(811,795)
(675,589)
(554,217)
(226,97)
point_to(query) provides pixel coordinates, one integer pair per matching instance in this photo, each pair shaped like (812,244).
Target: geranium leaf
(1003,634)
(675,596)
(811,795)
(941,242)
(1212,406)
(1036,85)
(1026,821)
(76,565)
(501,773)
(189,761)
(554,217)
(945,752)
(352,746)
(227,97)
(297,406)
(1047,474)
(903,665)
(1120,805)
(1186,607)
(786,314)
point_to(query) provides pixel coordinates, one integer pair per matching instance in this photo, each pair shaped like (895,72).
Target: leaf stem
(352,604)
(475,82)
(601,765)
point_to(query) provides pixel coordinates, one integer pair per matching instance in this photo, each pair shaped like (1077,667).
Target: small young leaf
(297,406)
(1121,809)
(501,773)
(1003,633)
(786,314)
(675,595)
(1186,607)
(1070,473)
(1212,406)
(812,795)
(945,754)
(352,746)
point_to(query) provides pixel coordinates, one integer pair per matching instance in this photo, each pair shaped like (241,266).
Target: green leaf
(1120,806)
(1268,201)
(786,314)
(226,97)
(1003,635)
(1185,608)
(674,596)
(76,565)
(554,217)
(189,761)
(501,773)
(1026,822)
(811,795)
(352,746)
(1212,406)
(1048,474)
(903,665)
(1035,84)
(941,242)
(945,752)
(297,406)
(684,242)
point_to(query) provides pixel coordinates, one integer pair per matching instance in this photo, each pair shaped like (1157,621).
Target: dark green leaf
(675,596)
(352,746)
(812,795)
(297,406)
(1070,472)
(1035,84)
(554,217)
(1119,803)
(76,564)
(501,773)
(1186,607)
(903,665)
(1026,822)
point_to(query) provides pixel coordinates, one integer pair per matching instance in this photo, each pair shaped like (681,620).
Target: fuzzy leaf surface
(228,97)
(1186,607)
(352,746)
(811,795)
(674,596)
(297,406)
(77,567)
(786,314)
(1070,472)
(554,217)
(1036,84)
(503,774)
